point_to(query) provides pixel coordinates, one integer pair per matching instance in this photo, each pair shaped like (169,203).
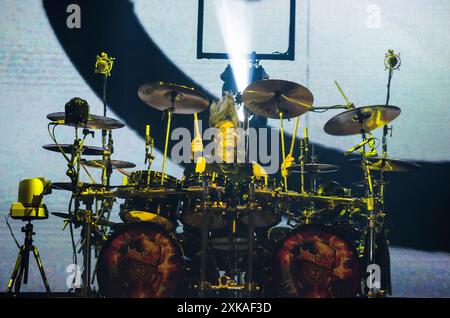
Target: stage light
(235,25)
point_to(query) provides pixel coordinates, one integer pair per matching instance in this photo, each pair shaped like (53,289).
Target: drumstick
(197,130)
(294,135)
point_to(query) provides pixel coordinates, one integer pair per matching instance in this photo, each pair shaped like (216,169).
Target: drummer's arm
(258,171)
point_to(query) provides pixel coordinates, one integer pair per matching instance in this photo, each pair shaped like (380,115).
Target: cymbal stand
(73,172)
(204,235)
(280,114)
(370,205)
(251,231)
(173,97)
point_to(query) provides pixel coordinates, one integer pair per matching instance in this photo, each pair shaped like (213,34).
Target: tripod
(23,259)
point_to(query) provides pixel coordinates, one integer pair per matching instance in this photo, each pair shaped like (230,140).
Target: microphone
(362,143)
(392,60)
(147,141)
(104,64)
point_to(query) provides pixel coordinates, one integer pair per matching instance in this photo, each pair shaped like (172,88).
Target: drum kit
(209,235)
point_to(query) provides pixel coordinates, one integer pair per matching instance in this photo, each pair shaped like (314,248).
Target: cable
(324,110)
(11,231)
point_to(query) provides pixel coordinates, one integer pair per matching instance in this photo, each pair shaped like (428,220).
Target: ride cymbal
(268,98)
(93,122)
(186,100)
(367,118)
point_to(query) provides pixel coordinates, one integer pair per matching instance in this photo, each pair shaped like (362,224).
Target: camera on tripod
(31,198)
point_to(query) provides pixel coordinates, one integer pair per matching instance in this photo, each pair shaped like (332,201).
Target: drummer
(223,116)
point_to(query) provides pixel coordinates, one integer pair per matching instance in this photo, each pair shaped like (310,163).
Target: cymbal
(315,168)
(159,95)
(68,216)
(68,148)
(268,97)
(116,164)
(372,117)
(389,164)
(67,186)
(94,121)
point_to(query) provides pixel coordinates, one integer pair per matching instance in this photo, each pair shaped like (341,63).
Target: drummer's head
(223,116)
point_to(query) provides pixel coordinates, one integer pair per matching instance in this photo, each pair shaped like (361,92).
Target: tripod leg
(17,267)
(41,268)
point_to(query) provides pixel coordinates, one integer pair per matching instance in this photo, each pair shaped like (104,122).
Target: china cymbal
(389,164)
(159,95)
(68,148)
(315,168)
(94,121)
(116,164)
(268,97)
(367,118)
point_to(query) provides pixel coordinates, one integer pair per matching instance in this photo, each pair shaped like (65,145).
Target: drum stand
(23,261)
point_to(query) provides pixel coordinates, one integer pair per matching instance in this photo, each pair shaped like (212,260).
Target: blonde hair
(223,110)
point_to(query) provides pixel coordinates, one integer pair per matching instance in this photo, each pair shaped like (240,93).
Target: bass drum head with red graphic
(315,261)
(140,260)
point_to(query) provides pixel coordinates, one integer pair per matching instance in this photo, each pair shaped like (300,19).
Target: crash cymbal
(371,118)
(94,121)
(116,164)
(315,168)
(389,164)
(268,97)
(68,148)
(159,95)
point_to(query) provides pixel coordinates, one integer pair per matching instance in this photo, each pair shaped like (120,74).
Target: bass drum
(140,260)
(314,261)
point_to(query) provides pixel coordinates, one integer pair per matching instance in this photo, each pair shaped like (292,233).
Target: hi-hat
(93,122)
(315,168)
(365,118)
(268,98)
(68,148)
(160,95)
(115,164)
(388,164)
